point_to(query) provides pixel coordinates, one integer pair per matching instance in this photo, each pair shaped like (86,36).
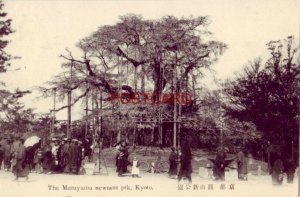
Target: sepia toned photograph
(145,98)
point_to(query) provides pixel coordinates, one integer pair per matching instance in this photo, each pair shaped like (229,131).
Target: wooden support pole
(53,112)
(135,90)
(69,124)
(69,115)
(175,108)
(119,104)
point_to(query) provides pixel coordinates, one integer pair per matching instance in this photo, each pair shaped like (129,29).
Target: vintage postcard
(140,98)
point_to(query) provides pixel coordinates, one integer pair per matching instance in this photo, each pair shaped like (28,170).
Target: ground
(153,185)
(148,185)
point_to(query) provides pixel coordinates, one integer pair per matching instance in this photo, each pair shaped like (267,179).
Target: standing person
(277,171)
(73,156)
(117,156)
(96,150)
(219,165)
(64,155)
(1,155)
(79,156)
(47,160)
(125,157)
(13,156)
(290,170)
(173,163)
(81,159)
(54,151)
(30,151)
(7,155)
(37,160)
(87,150)
(122,160)
(60,156)
(135,171)
(185,163)
(20,158)
(242,167)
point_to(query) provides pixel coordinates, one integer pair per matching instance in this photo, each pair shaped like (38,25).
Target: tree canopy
(267,94)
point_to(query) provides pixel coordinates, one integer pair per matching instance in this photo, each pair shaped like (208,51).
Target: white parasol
(31,141)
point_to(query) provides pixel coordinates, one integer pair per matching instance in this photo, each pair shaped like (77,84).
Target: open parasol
(31,141)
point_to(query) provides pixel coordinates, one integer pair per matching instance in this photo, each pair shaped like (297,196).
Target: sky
(44,29)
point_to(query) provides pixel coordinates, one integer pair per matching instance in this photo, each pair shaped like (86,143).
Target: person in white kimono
(135,171)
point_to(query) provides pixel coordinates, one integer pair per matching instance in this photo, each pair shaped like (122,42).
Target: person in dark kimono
(60,156)
(185,170)
(87,149)
(81,160)
(47,160)
(219,165)
(73,156)
(277,171)
(66,156)
(20,170)
(117,156)
(242,167)
(37,160)
(79,156)
(122,160)
(125,157)
(7,155)
(290,168)
(1,155)
(30,155)
(173,163)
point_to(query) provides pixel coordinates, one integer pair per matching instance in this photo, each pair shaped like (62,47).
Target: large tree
(159,46)
(162,54)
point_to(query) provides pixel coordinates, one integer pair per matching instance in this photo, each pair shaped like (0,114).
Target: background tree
(13,116)
(5,30)
(268,94)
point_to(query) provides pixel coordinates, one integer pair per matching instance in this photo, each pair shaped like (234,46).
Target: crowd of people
(68,156)
(278,169)
(57,156)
